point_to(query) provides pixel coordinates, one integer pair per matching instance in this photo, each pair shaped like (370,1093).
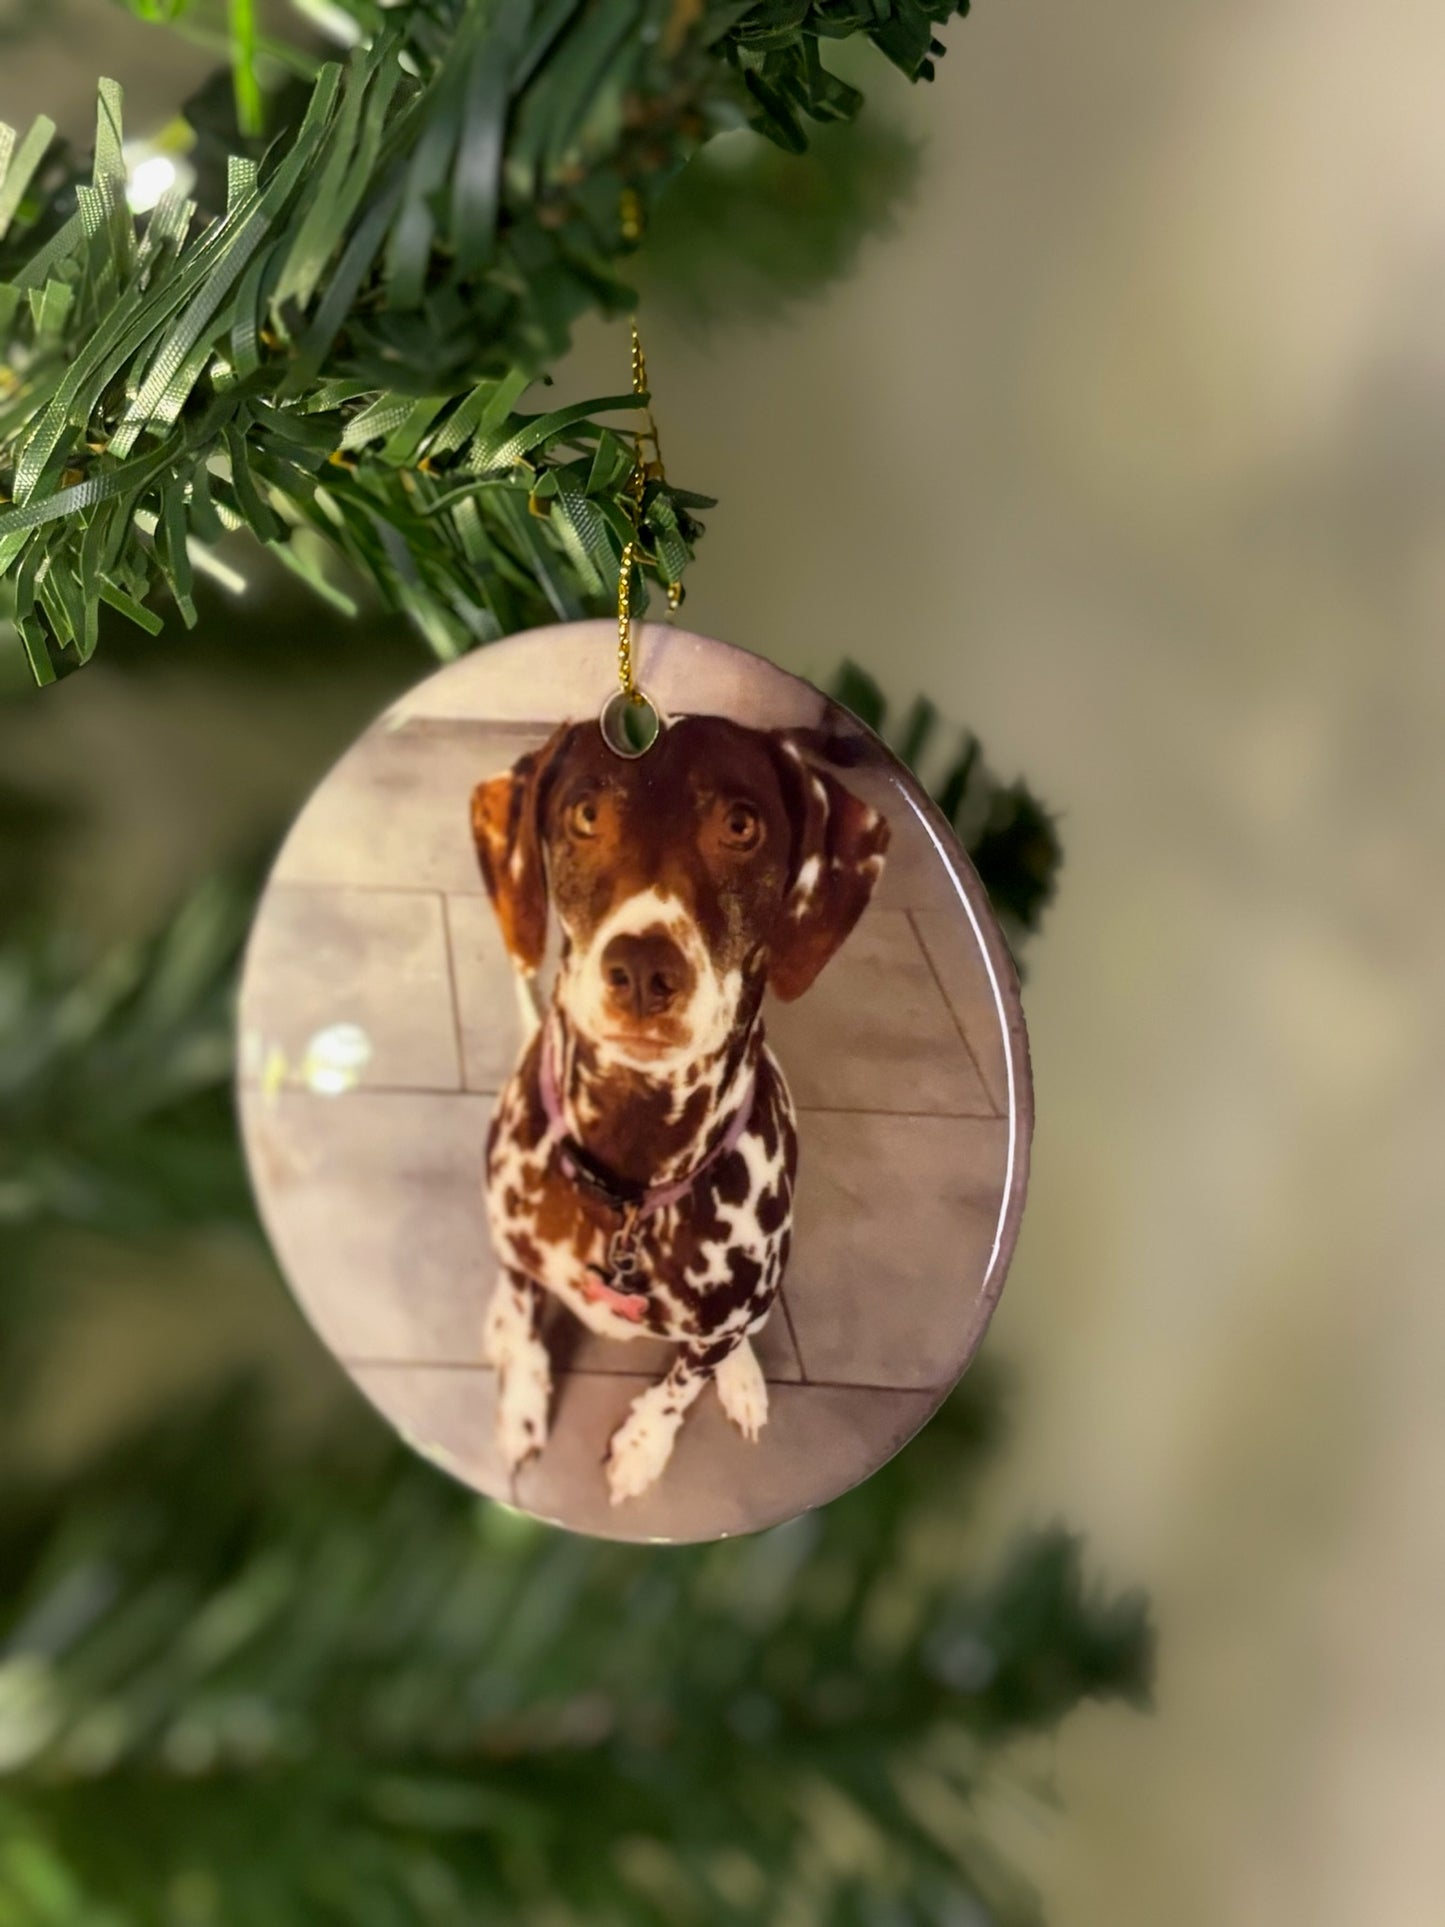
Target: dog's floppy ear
(839,844)
(507,826)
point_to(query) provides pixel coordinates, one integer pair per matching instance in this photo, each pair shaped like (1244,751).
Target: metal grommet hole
(630,724)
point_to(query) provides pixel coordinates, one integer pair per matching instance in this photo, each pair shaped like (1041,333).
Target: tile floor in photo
(376,927)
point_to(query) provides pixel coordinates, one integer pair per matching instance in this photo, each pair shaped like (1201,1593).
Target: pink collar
(622,1194)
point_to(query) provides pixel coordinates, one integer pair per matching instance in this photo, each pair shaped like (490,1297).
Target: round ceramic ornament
(645,1133)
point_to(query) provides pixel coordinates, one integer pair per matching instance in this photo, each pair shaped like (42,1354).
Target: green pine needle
(426,228)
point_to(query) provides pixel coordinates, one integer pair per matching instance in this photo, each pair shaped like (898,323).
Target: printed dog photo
(641,1161)
(646,1139)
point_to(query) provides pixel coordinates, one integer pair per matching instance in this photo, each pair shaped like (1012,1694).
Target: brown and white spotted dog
(641,1160)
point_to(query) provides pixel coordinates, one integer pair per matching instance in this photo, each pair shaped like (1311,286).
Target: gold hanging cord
(648,468)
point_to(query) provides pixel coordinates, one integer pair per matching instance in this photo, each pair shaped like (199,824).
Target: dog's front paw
(743,1390)
(640,1448)
(524,1391)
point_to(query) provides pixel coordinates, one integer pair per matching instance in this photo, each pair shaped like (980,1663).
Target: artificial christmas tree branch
(342,1690)
(334,359)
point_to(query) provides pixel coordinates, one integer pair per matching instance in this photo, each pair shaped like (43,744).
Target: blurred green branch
(746,229)
(1010,837)
(115,1108)
(345,1691)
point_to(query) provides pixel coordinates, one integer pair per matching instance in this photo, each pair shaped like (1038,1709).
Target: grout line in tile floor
(482,725)
(463,1090)
(859,1110)
(371,1090)
(863,1385)
(632,1371)
(793,1334)
(469,892)
(342,887)
(452,986)
(922,943)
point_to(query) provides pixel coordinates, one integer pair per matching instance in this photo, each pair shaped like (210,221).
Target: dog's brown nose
(645,974)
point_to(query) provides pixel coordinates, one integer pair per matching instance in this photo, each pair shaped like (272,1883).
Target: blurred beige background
(1129,446)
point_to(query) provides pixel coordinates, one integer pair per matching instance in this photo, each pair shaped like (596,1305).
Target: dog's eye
(742,827)
(582,817)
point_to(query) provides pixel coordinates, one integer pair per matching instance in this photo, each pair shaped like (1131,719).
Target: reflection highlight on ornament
(335,1059)
(331,1064)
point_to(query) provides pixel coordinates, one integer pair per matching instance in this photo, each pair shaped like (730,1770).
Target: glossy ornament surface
(646,1137)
